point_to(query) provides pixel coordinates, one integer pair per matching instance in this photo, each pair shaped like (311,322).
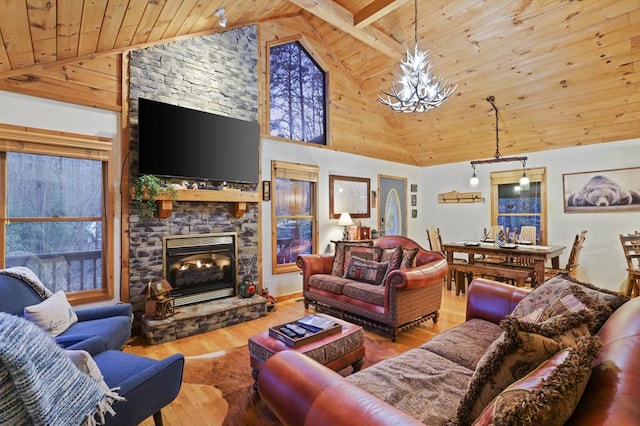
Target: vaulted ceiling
(564,72)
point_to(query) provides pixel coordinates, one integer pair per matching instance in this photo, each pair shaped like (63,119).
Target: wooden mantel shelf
(240,198)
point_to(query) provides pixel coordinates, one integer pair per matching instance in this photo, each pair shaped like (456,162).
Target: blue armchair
(111,324)
(48,388)
(146,384)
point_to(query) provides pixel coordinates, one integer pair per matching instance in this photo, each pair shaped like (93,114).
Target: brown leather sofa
(409,296)
(300,391)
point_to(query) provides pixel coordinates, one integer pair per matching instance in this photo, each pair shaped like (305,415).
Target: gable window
(53,211)
(514,208)
(293,214)
(297,101)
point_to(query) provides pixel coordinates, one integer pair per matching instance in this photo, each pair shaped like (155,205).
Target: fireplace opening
(200,267)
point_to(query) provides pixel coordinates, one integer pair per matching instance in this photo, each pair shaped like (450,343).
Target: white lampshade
(345,219)
(474,182)
(524,182)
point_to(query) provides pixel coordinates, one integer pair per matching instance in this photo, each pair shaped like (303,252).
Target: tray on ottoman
(314,327)
(343,348)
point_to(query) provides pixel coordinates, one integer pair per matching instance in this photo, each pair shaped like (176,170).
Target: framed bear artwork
(602,191)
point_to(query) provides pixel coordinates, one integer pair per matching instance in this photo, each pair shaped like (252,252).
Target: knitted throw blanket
(26,275)
(39,385)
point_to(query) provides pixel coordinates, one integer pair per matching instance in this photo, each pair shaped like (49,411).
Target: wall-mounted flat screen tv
(185,143)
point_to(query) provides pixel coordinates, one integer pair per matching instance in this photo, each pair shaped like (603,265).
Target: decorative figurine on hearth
(271,301)
(159,304)
(247,289)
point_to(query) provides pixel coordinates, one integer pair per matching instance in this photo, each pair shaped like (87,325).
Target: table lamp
(345,220)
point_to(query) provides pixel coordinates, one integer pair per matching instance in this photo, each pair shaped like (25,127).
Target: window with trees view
(297,94)
(514,207)
(293,213)
(54,217)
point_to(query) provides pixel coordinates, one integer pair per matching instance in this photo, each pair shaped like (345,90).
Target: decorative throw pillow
(86,364)
(338,259)
(53,315)
(549,394)
(394,257)
(409,257)
(368,271)
(548,292)
(521,348)
(366,253)
(573,299)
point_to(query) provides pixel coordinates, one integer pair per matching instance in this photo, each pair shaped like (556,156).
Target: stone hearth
(202,317)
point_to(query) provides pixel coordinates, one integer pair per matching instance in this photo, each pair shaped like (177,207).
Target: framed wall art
(349,194)
(266,190)
(602,191)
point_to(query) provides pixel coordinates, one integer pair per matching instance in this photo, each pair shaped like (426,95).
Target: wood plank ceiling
(564,72)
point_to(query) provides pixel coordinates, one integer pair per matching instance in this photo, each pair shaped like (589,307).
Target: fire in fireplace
(200,267)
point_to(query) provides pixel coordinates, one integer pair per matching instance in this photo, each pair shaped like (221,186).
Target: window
(514,208)
(54,212)
(293,213)
(297,104)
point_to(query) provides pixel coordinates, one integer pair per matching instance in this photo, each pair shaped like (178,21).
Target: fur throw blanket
(40,385)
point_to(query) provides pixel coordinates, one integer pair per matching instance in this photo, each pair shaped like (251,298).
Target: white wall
(330,163)
(601,261)
(22,110)
(29,111)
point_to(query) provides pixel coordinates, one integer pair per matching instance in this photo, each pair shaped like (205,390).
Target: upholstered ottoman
(336,351)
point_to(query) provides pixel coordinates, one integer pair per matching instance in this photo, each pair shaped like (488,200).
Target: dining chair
(435,239)
(631,248)
(494,231)
(435,244)
(528,233)
(570,267)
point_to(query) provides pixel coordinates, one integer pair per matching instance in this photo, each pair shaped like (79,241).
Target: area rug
(230,373)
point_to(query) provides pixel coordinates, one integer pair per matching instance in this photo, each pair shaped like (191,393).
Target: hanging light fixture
(498,158)
(221,14)
(420,90)
(474,182)
(524,180)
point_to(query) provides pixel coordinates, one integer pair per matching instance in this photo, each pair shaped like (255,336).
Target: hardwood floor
(203,405)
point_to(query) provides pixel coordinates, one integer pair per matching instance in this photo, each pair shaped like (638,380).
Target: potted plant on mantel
(146,190)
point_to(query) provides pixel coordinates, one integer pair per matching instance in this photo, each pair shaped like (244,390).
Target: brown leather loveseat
(407,296)
(301,391)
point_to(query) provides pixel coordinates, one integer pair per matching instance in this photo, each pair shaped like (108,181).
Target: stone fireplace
(207,74)
(203,270)
(200,267)
(198,73)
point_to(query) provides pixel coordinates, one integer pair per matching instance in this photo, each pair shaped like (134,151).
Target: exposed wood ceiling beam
(341,18)
(376,10)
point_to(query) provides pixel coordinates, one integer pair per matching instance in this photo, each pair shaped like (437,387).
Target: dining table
(529,256)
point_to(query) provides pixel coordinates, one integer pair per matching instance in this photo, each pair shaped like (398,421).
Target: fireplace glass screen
(200,267)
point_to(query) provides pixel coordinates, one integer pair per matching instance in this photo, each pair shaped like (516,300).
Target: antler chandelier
(420,90)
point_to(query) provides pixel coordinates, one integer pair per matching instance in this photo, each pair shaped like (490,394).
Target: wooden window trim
(296,171)
(308,46)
